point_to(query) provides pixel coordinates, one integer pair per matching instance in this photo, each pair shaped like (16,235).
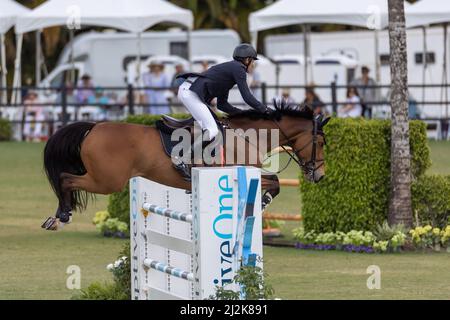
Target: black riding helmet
(244,50)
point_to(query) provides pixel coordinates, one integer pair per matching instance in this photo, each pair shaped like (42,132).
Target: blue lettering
(222,235)
(227,187)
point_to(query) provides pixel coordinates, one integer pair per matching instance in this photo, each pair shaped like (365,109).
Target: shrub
(120,289)
(355,192)
(253,281)
(431,200)
(5,130)
(119,203)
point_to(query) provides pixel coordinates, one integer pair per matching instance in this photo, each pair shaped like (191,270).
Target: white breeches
(198,109)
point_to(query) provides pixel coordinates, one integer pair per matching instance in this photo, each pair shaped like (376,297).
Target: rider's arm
(224,106)
(240,76)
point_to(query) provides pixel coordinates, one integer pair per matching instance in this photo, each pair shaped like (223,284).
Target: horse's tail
(62,154)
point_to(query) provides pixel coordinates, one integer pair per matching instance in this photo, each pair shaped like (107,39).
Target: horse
(85,158)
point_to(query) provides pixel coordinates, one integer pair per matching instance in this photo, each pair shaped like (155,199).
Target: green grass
(34,261)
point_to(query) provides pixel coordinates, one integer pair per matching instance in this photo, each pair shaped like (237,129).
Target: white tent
(371,14)
(423,14)
(426,12)
(9,11)
(128,15)
(350,12)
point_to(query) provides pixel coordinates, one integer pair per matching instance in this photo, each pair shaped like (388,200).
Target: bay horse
(86,158)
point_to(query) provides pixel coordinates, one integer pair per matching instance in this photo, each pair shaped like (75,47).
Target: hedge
(354,193)
(119,204)
(431,200)
(5,130)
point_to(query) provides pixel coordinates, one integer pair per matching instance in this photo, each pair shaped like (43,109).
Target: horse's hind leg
(71,184)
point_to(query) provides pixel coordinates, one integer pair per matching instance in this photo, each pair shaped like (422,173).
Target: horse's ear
(324,122)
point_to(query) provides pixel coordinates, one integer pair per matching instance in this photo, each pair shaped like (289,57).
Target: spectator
(313,101)
(176,83)
(176,105)
(85,89)
(205,65)
(254,81)
(33,129)
(352,108)
(368,93)
(286,98)
(157,80)
(102,102)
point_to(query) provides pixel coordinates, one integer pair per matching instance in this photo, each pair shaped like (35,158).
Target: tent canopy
(426,12)
(371,14)
(127,15)
(9,11)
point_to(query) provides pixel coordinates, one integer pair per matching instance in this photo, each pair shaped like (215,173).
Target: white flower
(117,264)
(109,267)
(124,258)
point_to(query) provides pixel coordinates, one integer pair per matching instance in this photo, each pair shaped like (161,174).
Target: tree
(229,14)
(400,210)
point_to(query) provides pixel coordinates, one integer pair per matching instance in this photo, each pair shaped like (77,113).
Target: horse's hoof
(266,200)
(50,224)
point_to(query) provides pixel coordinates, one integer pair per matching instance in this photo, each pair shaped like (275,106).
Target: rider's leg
(198,110)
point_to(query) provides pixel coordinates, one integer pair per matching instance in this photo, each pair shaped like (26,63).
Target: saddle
(167,125)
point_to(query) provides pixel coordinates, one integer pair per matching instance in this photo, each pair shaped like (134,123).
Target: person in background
(368,93)
(85,89)
(352,108)
(176,82)
(102,102)
(175,104)
(33,130)
(156,97)
(26,87)
(254,81)
(205,65)
(313,101)
(286,98)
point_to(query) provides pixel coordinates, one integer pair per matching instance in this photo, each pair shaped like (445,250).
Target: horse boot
(61,218)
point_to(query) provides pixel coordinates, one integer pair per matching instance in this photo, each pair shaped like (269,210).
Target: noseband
(309,167)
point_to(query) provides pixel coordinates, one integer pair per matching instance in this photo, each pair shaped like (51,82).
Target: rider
(198,90)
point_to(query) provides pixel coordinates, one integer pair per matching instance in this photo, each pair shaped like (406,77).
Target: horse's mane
(280,110)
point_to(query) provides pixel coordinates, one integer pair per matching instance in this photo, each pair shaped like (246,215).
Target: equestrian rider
(198,90)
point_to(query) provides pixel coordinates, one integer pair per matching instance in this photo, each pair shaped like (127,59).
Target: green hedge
(5,130)
(431,200)
(119,204)
(354,193)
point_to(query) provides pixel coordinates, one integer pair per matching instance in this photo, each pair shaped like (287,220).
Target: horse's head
(302,131)
(308,147)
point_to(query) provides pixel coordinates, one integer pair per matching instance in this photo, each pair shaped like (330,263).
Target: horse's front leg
(270,187)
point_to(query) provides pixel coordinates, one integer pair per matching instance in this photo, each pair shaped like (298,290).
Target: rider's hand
(267,111)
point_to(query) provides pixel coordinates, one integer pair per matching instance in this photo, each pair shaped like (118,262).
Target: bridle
(309,167)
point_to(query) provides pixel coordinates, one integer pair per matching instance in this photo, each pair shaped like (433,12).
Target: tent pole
(308,38)
(254,40)
(72,58)
(189,47)
(38,58)
(377,56)
(445,74)
(424,63)
(4,71)
(17,70)
(305,55)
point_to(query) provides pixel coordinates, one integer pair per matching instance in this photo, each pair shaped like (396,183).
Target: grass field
(34,262)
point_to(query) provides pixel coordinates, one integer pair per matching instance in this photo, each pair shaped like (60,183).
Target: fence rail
(61,101)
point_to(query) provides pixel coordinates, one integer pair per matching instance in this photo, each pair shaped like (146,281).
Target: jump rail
(197,241)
